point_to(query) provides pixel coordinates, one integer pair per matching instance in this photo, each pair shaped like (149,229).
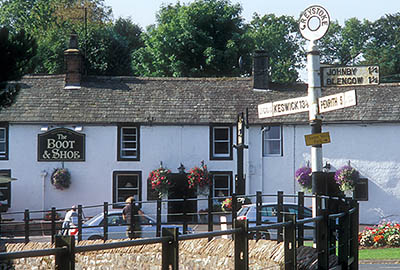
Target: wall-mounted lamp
(44,128)
(327,166)
(78,128)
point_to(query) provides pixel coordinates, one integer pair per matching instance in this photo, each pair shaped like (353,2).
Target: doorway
(181,190)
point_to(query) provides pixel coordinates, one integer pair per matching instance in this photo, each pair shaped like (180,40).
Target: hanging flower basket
(226,205)
(199,177)
(346,177)
(303,177)
(61,178)
(159,180)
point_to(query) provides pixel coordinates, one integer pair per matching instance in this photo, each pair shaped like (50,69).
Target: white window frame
(134,139)
(229,179)
(135,190)
(266,140)
(228,141)
(3,154)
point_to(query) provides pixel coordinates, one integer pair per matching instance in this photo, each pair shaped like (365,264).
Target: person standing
(69,219)
(133,230)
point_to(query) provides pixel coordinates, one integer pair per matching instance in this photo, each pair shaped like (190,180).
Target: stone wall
(193,255)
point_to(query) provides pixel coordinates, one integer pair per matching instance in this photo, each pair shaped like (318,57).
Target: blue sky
(143,12)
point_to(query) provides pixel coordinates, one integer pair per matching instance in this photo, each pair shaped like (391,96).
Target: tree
(279,37)
(107,52)
(383,47)
(16,50)
(130,31)
(33,16)
(204,38)
(344,45)
(52,21)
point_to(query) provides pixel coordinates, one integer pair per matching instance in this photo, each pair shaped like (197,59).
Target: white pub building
(110,132)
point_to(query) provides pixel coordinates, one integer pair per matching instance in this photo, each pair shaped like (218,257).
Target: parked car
(93,228)
(269,215)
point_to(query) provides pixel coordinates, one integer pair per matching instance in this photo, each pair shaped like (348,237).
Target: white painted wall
(373,149)
(92,179)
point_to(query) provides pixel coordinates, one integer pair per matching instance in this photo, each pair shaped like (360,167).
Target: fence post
(300,228)
(354,221)
(184,214)
(280,216)
(290,242)
(332,209)
(258,212)
(65,260)
(258,207)
(158,227)
(210,215)
(322,240)
(234,209)
(170,249)
(343,241)
(26,220)
(105,223)
(53,224)
(241,245)
(79,222)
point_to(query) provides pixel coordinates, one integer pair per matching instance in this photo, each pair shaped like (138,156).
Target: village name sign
(61,144)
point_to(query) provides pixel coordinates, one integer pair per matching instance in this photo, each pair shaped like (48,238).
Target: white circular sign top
(314,22)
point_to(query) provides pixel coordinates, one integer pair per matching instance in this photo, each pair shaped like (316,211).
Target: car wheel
(261,235)
(95,237)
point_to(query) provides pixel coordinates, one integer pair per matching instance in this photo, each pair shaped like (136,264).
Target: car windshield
(243,211)
(94,220)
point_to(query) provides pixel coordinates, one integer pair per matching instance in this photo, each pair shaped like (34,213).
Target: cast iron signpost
(61,144)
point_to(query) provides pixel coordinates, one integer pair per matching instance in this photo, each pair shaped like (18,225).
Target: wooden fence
(336,231)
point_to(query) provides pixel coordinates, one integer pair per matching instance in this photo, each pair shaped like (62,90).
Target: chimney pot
(73,63)
(260,70)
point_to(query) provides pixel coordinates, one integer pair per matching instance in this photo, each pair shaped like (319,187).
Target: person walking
(68,220)
(133,230)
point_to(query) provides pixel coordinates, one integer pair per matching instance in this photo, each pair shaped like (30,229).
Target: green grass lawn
(379,254)
(374,253)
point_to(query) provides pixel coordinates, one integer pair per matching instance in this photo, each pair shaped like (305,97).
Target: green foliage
(50,53)
(204,38)
(130,31)
(383,47)
(344,45)
(16,50)
(279,37)
(107,52)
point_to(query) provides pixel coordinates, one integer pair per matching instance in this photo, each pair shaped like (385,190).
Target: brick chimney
(73,64)
(260,71)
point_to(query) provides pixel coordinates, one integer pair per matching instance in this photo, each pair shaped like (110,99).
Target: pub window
(5,191)
(3,142)
(221,142)
(128,143)
(272,141)
(126,184)
(221,184)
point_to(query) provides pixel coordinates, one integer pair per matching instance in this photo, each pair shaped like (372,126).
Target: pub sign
(61,144)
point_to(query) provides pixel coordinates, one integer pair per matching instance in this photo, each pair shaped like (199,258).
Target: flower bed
(383,234)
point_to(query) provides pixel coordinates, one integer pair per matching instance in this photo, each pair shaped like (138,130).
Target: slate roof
(110,100)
